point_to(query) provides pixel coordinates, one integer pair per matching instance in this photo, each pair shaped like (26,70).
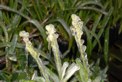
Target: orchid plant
(64,70)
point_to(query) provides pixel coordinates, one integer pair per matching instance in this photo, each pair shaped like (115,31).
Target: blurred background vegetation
(102,34)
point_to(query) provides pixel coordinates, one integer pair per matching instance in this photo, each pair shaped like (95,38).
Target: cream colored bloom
(77,25)
(51,32)
(52,40)
(77,31)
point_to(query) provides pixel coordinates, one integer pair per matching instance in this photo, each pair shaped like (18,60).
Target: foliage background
(102,32)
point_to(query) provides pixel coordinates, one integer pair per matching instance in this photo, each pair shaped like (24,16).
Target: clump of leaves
(65,71)
(32,16)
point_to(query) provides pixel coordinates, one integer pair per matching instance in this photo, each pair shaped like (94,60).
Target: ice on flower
(24,34)
(76,21)
(50,29)
(51,32)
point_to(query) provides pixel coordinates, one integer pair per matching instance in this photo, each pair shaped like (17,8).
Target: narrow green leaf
(91,3)
(89,42)
(106,45)
(5,17)
(13,44)
(96,23)
(4,45)
(66,27)
(83,75)
(61,4)
(3,7)
(36,8)
(40,28)
(94,9)
(11,50)
(5,31)
(105,21)
(52,75)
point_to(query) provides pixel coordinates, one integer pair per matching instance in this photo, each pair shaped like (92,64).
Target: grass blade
(105,21)
(106,45)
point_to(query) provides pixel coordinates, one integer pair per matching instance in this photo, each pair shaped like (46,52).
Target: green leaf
(83,74)
(27,81)
(106,45)
(105,22)
(11,50)
(40,28)
(52,75)
(61,4)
